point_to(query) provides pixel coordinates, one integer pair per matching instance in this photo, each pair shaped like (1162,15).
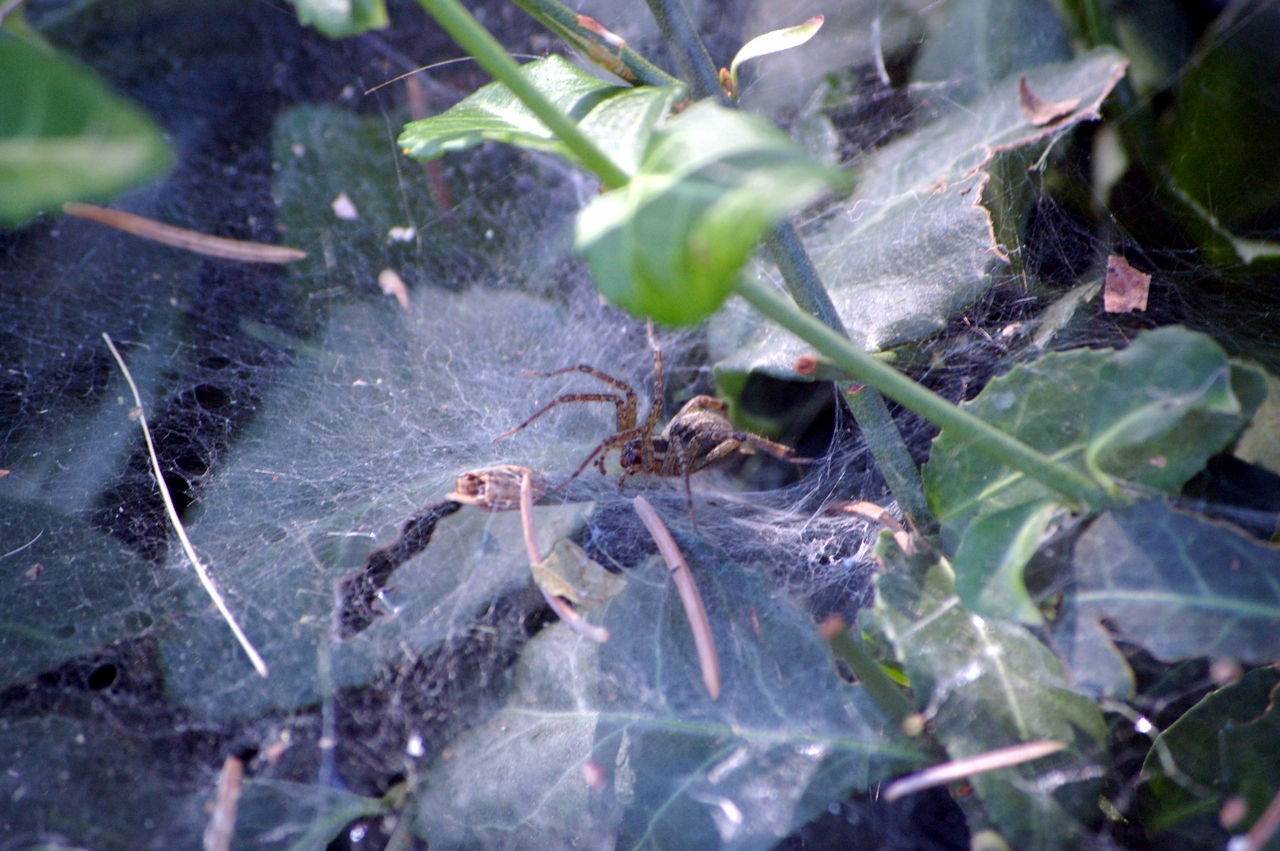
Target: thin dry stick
(200,243)
(565,612)
(222,822)
(947,772)
(689,596)
(1263,829)
(209,588)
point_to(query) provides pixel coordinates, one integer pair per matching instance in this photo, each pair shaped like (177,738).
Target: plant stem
(863,367)
(884,691)
(687,49)
(474,39)
(624,62)
(868,407)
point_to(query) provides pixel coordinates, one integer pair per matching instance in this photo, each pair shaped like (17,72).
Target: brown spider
(698,435)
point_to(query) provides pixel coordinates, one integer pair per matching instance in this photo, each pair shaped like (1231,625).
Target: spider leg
(626,410)
(614,441)
(572,397)
(777,450)
(655,407)
(685,469)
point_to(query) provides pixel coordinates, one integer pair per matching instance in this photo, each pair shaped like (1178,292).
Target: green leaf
(774,42)
(1222,137)
(619,119)
(1180,586)
(64,136)
(987,683)
(784,738)
(341,18)
(1260,442)
(913,246)
(1223,746)
(672,242)
(1149,416)
(989,561)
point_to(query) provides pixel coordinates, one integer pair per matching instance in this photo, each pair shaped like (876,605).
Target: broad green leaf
(672,242)
(1148,416)
(618,119)
(341,18)
(987,683)
(1222,747)
(913,246)
(678,769)
(774,42)
(1180,586)
(64,136)
(978,43)
(1222,139)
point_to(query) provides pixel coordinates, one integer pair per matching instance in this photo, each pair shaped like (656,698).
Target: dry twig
(947,772)
(565,611)
(200,243)
(222,822)
(689,596)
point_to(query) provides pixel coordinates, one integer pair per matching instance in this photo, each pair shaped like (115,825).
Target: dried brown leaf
(1039,111)
(1126,287)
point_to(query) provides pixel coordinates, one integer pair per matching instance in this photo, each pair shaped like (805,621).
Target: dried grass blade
(200,243)
(948,772)
(201,571)
(689,596)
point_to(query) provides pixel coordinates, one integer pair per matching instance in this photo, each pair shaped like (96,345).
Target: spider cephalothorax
(699,435)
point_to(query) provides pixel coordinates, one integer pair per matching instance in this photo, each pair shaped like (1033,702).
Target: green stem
(624,62)
(863,367)
(474,39)
(687,49)
(884,691)
(867,406)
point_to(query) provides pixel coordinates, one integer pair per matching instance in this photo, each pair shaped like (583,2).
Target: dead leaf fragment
(1125,288)
(393,284)
(344,208)
(1039,111)
(496,488)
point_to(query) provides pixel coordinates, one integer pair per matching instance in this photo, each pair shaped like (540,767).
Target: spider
(698,435)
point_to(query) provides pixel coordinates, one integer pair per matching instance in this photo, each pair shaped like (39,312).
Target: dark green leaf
(64,136)
(913,246)
(672,242)
(618,119)
(341,18)
(1148,416)
(1223,136)
(682,771)
(987,683)
(1178,585)
(1222,747)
